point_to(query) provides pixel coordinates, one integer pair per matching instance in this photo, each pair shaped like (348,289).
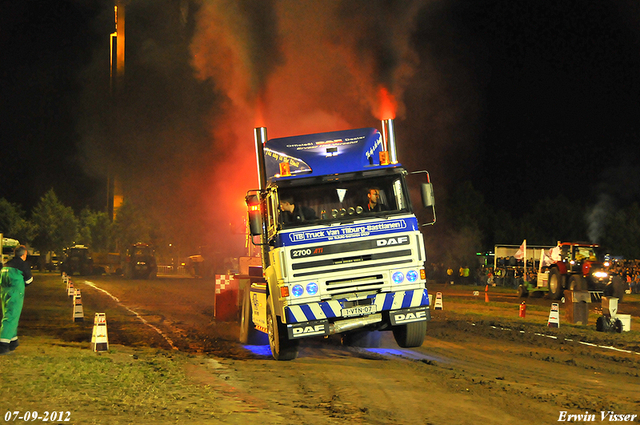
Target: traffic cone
(554,316)
(523,310)
(71,290)
(78,311)
(486,294)
(438,305)
(99,339)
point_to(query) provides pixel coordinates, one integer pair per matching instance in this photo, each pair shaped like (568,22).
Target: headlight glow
(600,274)
(297,290)
(397,277)
(412,276)
(312,288)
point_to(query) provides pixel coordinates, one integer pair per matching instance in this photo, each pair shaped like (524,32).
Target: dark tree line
(53,227)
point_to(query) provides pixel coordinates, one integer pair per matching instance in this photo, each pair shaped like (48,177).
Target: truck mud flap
(307,329)
(415,314)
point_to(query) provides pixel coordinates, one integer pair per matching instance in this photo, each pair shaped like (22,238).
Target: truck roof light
(285,169)
(332,151)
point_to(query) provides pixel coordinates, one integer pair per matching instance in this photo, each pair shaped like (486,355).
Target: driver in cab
(293,213)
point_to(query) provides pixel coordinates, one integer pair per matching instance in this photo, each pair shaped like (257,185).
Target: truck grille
(366,283)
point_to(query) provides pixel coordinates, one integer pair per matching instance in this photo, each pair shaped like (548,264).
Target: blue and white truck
(340,266)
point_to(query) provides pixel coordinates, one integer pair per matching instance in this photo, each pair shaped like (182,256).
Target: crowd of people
(630,272)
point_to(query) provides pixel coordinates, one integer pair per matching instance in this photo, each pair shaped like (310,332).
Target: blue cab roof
(322,154)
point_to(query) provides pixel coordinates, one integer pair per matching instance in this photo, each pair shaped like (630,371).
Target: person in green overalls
(15,275)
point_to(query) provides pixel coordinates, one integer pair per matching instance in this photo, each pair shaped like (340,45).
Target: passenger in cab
(374,204)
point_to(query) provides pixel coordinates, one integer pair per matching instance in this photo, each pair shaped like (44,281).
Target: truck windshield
(336,201)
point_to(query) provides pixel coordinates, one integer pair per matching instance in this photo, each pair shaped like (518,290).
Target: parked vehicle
(77,259)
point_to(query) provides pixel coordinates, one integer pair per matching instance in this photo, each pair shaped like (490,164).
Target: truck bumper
(325,318)
(334,308)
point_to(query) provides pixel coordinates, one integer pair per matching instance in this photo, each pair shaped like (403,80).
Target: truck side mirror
(428,200)
(255,214)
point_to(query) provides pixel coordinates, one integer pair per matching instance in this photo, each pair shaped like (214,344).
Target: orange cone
(486,294)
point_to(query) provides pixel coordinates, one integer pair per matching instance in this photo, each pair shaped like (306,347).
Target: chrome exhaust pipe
(260,136)
(389,140)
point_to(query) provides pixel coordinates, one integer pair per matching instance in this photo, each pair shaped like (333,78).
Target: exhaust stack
(260,136)
(389,140)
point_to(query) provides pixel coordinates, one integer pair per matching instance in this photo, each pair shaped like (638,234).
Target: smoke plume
(201,74)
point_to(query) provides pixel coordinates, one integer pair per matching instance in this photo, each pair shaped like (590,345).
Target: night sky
(527,99)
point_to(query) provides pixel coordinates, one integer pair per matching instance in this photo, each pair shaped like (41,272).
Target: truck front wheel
(411,334)
(556,285)
(282,348)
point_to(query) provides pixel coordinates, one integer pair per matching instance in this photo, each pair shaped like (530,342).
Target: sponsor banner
(352,231)
(418,314)
(307,329)
(343,248)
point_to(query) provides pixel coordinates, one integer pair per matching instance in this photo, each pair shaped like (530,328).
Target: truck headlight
(397,277)
(297,290)
(312,288)
(600,275)
(412,276)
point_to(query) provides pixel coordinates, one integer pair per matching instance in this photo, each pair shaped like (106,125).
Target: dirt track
(466,372)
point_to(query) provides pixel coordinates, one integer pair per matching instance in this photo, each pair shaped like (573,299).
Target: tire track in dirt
(132,311)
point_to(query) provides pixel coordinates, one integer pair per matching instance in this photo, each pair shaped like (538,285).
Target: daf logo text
(393,241)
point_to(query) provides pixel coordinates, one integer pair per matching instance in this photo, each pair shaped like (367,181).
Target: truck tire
(362,339)
(556,284)
(248,333)
(282,348)
(411,334)
(577,283)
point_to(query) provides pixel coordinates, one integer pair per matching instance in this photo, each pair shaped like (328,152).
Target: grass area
(54,368)
(121,386)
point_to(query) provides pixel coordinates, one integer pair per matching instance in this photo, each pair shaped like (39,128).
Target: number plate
(359,310)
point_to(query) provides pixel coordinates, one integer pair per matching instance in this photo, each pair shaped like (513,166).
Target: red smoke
(387,105)
(259,120)
(318,82)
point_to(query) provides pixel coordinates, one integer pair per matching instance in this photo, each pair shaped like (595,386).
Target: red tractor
(578,269)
